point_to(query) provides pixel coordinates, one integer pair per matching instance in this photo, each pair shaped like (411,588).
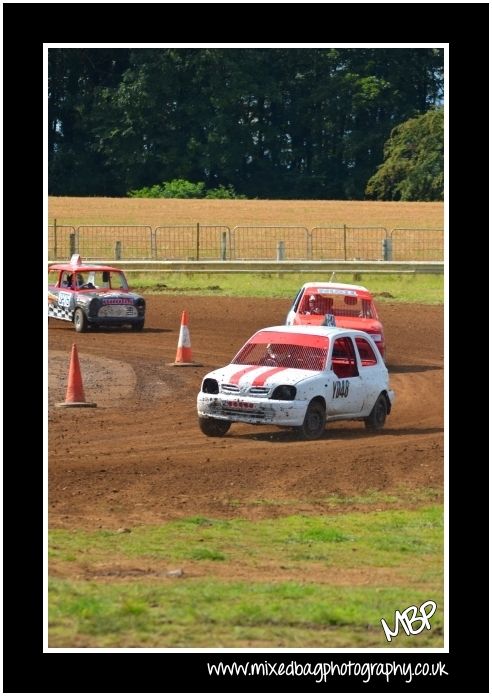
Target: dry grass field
(156,212)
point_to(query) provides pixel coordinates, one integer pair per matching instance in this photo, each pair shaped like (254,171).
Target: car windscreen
(343,304)
(285,350)
(107,280)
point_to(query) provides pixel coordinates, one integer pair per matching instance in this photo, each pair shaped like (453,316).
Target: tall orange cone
(183,354)
(75,389)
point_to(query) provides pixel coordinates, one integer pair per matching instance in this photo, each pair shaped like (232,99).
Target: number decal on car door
(340,388)
(64,299)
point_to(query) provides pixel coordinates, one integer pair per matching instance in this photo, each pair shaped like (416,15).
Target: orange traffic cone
(183,354)
(75,389)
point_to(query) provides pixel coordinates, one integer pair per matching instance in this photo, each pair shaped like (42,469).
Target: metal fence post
(55,250)
(117,250)
(72,243)
(223,246)
(387,249)
(344,242)
(197,241)
(280,250)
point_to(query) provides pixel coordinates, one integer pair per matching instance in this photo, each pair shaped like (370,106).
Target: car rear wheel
(377,418)
(314,421)
(138,326)
(212,427)
(80,320)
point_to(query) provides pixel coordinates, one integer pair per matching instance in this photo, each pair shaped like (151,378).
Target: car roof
(83,268)
(76,264)
(315,285)
(312,330)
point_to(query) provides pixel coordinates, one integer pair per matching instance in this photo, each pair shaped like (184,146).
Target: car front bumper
(114,321)
(251,410)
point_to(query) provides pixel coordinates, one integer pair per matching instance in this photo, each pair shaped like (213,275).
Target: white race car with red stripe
(299,377)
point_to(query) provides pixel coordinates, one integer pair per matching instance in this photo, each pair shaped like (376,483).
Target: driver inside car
(81,285)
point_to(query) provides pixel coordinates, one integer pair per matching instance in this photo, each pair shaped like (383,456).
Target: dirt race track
(139,457)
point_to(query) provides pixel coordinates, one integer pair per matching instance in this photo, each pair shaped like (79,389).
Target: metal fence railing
(114,241)
(192,242)
(270,242)
(61,241)
(220,243)
(417,244)
(348,243)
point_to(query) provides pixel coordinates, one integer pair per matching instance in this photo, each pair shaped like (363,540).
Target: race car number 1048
(340,388)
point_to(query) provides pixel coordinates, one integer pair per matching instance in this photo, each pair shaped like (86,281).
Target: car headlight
(284,392)
(210,386)
(94,307)
(140,305)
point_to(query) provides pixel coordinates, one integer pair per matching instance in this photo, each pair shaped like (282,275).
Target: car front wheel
(314,421)
(80,320)
(377,418)
(212,427)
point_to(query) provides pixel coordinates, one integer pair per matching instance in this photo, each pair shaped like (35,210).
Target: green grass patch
(204,554)
(197,613)
(379,539)
(410,288)
(338,575)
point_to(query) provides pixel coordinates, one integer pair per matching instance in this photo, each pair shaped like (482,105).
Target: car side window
(366,312)
(343,361)
(296,303)
(366,353)
(66,281)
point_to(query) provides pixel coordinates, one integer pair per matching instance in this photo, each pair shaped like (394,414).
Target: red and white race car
(337,304)
(299,377)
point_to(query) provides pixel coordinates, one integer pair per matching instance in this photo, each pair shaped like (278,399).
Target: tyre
(80,320)
(138,325)
(377,418)
(314,421)
(213,427)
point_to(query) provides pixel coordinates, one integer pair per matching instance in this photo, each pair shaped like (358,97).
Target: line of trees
(268,122)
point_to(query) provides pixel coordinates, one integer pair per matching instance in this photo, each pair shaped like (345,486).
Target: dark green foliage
(180,188)
(413,168)
(268,122)
(223,192)
(177,188)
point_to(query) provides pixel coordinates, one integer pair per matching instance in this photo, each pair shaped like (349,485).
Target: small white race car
(299,377)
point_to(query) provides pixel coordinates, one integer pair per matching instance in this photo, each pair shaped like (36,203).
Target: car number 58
(64,299)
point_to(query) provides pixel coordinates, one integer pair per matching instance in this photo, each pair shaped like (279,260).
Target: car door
(346,388)
(61,304)
(369,370)
(292,311)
